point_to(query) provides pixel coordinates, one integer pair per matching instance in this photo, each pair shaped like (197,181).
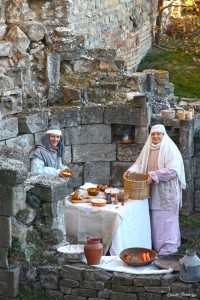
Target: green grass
(184,73)
(37,295)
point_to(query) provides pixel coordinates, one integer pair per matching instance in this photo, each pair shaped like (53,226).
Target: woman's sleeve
(162,174)
(60,165)
(37,166)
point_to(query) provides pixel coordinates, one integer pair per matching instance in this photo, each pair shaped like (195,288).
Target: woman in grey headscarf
(46,156)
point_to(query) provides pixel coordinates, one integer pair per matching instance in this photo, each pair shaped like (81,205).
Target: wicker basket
(136,186)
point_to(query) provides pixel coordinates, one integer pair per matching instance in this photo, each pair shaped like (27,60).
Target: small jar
(181,115)
(192,110)
(189,115)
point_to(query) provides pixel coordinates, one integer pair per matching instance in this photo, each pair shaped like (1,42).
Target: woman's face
(54,140)
(157,137)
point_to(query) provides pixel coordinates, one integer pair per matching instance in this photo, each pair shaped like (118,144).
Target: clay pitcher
(93,250)
(190,267)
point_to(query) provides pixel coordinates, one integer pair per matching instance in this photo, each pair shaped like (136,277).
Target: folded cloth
(88,185)
(115,264)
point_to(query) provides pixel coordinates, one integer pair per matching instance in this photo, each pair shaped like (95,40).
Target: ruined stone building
(74,63)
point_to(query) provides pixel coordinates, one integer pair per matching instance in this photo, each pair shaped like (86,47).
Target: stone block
(94,152)
(53,69)
(186,143)
(197,184)
(77,179)
(9,283)
(33,123)
(196,167)
(54,94)
(4,258)
(186,140)
(98,275)
(13,199)
(86,65)
(137,81)
(141,134)
(129,152)
(117,171)
(188,165)
(11,102)
(120,296)
(70,94)
(49,189)
(21,155)
(92,115)
(127,115)
(67,157)
(27,215)
(52,236)
(5,232)
(38,136)
(19,230)
(143,280)
(72,272)
(25,141)
(56,223)
(53,209)
(188,198)
(88,134)
(97,172)
(12,172)
(33,29)
(197,201)
(5,48)
(64,117)
(8,128)
(18,38)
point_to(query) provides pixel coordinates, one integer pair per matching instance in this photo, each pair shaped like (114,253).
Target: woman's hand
(61,175)
(149,180)
(127,173)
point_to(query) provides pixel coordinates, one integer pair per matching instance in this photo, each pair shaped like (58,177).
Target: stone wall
(122,25)
(32,227)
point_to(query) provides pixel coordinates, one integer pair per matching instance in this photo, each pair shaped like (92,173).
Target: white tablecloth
(115,264)
(129,224)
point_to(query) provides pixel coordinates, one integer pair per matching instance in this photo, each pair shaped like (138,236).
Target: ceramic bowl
(122,196)
(98,202)
(67,173)
(136,256)
(72,252)
(93,191)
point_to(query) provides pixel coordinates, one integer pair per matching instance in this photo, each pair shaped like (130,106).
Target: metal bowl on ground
(135,256)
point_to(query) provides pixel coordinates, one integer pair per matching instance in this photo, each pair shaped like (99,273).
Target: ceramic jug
(190,267)
(93,250)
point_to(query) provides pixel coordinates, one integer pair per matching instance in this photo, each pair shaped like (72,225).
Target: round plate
(169,261)
(136,256)
(126,142)
(98,202)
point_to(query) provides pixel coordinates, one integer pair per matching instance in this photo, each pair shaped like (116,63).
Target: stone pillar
(12,175)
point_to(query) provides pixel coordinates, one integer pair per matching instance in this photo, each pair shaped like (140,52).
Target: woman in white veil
(162,160)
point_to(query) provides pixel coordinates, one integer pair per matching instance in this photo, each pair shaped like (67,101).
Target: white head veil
(169,156)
